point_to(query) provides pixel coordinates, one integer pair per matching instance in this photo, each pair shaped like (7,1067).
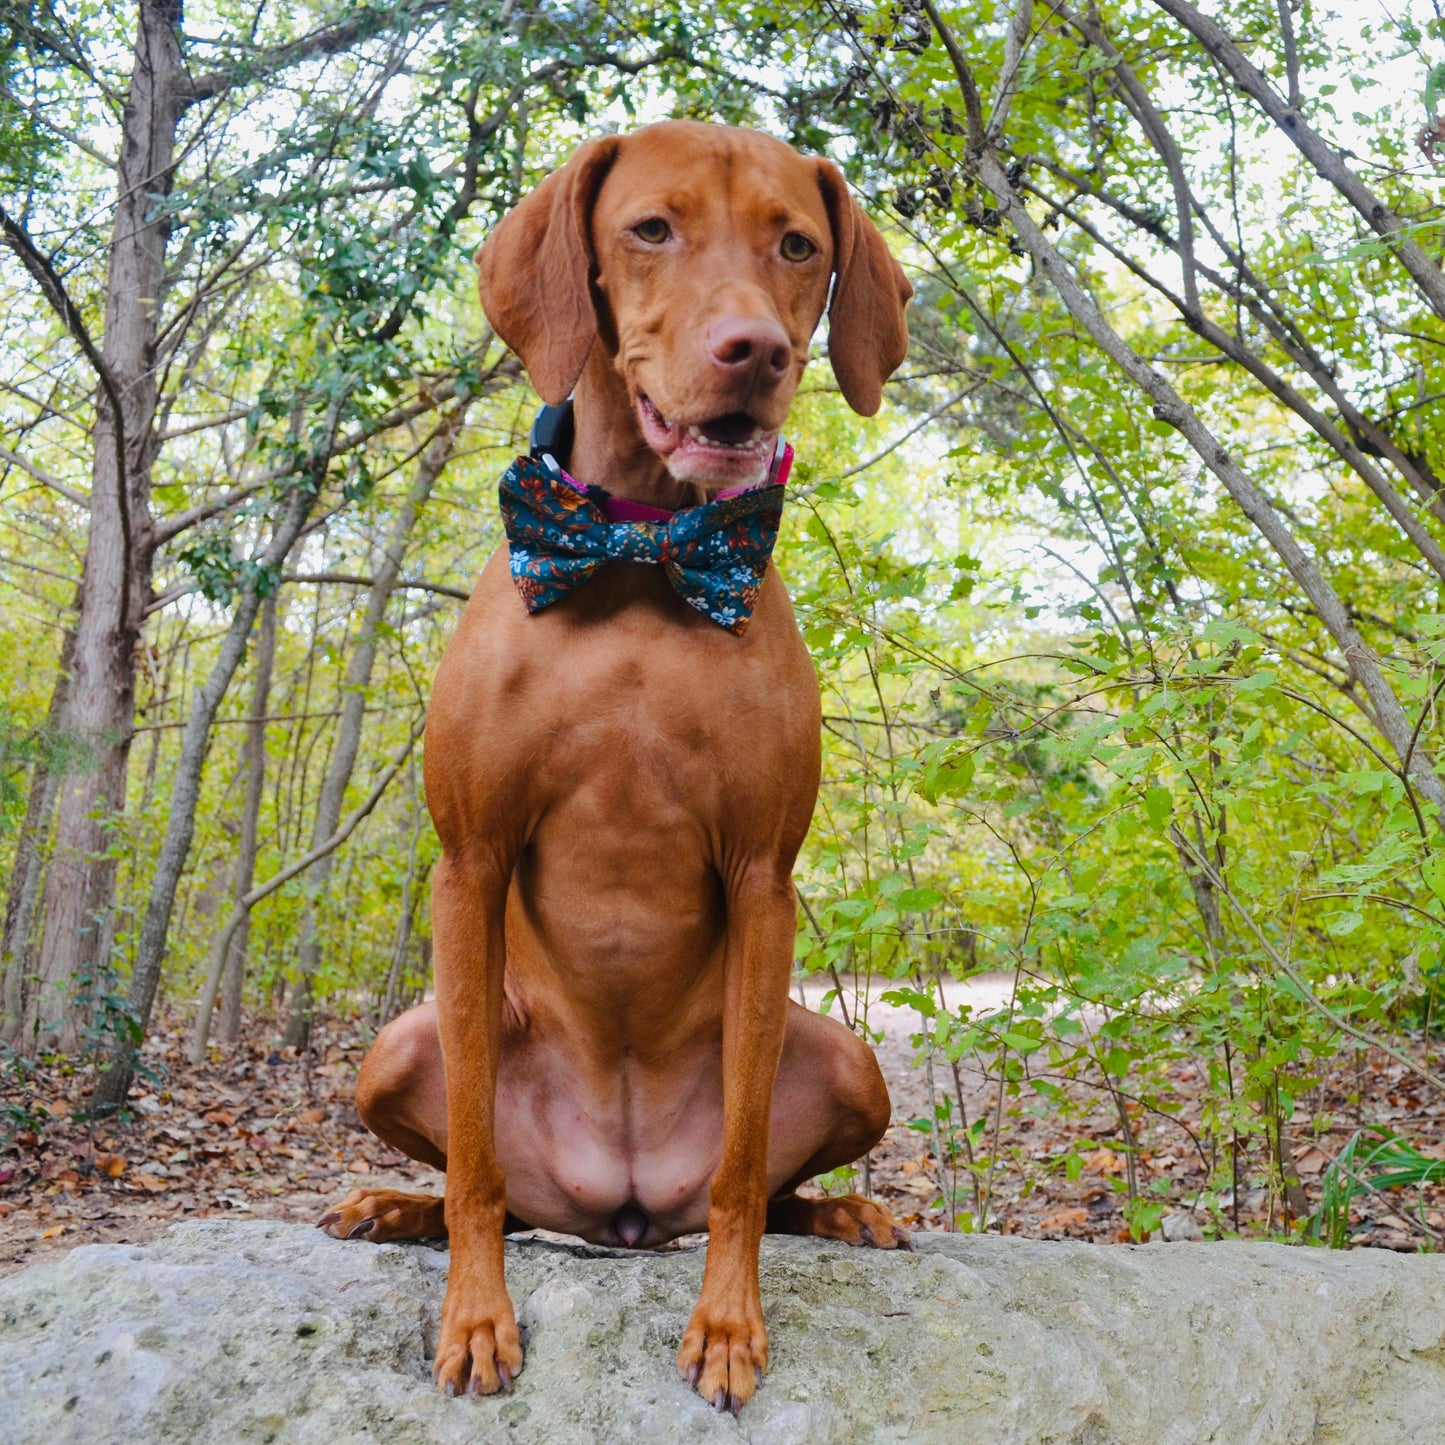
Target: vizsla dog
(621,785)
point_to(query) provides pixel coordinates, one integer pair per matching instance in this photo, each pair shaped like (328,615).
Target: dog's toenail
(506,1377)
(693,1371)
(719,1401)
(327,1219)
(867,1236)
(735,1405)
(905,1240)
(451,1388)
(365,1227)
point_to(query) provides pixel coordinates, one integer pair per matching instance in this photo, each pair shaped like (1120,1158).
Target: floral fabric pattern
(559,536)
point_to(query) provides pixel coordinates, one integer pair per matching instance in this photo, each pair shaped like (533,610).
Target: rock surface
(257,1332)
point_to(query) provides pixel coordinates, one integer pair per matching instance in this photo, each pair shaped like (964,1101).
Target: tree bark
(98,716)
(348,732)
(115,1079)
(235,965)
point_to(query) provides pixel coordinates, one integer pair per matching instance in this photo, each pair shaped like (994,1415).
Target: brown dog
(621,786)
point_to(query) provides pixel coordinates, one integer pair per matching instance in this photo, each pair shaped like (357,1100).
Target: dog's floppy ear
(867,324)
(534,273)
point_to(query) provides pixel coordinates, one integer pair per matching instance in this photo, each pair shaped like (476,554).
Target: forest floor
(267,1134)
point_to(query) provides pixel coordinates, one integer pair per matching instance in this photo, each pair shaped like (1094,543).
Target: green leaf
(1433,872)
(947,772)
(1258,681)
(1159,804)
(1343,922)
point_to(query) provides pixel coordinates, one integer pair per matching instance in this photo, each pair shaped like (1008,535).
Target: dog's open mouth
(732,448)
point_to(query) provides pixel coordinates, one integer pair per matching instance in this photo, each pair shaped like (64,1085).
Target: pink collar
(619,509)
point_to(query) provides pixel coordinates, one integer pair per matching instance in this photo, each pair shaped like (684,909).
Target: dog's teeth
(696,433)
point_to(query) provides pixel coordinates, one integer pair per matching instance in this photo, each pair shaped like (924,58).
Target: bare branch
(973,110)
(363,24)
(53,289)
(1160,137)
(348,579)
(1291,50)
(1014,45)
(1279,388)
(1327,161)
(44,478)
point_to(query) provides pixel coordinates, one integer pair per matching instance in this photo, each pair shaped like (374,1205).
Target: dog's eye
(654,230)
(796,247)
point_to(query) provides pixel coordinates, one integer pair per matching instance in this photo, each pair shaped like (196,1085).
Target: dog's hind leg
(830,1107)
(847,1217)
(380,1215)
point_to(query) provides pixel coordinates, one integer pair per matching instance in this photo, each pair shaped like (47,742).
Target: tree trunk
(235,966)
(16,948)
(411,888)
(348,732)
(80,882)
(115,1079)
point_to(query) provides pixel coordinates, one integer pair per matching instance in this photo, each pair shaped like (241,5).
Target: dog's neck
(608,449)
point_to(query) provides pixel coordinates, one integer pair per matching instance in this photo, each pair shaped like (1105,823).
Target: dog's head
(699,258)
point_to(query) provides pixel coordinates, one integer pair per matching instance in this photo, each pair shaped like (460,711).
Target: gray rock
(260,1332)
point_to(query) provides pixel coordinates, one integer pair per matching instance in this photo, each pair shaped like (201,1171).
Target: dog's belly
(612,1151)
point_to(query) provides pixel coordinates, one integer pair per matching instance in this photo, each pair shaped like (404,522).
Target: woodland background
(1126,610)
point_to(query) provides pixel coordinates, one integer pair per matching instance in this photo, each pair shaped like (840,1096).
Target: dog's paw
(724,1354)
(478,1349)
(856,1220)
(379,1215)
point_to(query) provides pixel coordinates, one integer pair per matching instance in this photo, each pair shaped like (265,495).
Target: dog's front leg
(478,1341)
(725,1346)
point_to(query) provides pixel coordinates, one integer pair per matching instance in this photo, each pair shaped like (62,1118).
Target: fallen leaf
(1311,1161)
(151,1184)
(313,1116)
(221,1116)
(1064,1219)
(112,1165)
(1104,1161)
(55,1229)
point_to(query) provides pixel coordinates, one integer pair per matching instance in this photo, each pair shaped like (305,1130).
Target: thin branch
(1290,972)
(44,478)
(363,24)
(973,110)
(1171,408)
(1160,137)
(348,579)
(277,880)
(1320,153)
(53,289)
(1014,45)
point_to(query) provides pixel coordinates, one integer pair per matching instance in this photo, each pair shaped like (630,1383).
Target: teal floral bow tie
(560,534)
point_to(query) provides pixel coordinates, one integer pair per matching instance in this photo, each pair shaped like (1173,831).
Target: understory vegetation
(1127,609)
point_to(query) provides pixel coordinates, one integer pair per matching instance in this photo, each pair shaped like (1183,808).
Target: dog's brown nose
(742,344)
